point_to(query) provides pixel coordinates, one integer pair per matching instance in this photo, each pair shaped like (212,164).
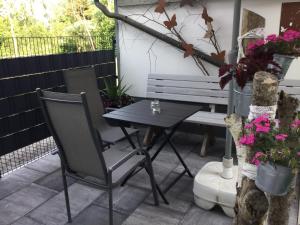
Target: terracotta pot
(273,179)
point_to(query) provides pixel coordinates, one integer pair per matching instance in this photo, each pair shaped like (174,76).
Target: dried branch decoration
(171,24)
(179,42)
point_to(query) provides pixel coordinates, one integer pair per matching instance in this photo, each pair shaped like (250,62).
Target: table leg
(128,137)
(164,142)
(180,158)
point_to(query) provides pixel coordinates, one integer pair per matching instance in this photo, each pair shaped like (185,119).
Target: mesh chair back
(70,124)
(84,80)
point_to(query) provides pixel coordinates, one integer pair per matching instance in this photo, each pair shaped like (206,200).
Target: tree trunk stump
(252,204)
(279,205)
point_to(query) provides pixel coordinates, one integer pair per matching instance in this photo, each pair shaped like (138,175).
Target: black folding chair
(84,80)
(80,149)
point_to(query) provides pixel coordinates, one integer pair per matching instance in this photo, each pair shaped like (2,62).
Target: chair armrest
(122,160)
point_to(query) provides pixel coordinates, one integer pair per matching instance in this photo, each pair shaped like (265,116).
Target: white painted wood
(185,91)
(291,83)
(182,83)
(290,90)
(184,77)
(197,99)
(204,145)
(208,118)
(201,89)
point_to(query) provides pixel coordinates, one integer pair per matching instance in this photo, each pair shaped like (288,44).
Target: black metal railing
(24,135)
(11,47)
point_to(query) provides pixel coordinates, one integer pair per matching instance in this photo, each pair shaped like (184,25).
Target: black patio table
(170,117)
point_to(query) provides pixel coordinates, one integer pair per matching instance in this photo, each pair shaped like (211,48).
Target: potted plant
(243,74)
(276,153)
(114,94)
(284,48)
(272,54)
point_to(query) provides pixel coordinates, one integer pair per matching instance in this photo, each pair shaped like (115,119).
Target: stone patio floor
(33,195)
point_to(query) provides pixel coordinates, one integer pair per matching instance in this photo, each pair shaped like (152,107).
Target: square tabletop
(171,113)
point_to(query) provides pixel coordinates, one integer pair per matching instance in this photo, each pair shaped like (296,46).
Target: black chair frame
(67,172)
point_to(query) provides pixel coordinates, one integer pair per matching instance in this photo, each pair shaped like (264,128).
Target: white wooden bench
(201,89)
(196,89)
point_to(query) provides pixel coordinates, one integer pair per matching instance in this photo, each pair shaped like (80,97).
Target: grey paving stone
(198,216)
(46,165)
(161,171)
(195,162)
(11,183)
(53,159)
(180,196)
(125,199)
(29,174)
(95,215)
(167,156)
(53,212)
(22,202)
(26,221)
(54,181)
(150,215)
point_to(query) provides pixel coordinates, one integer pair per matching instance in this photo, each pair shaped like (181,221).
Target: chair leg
(66,195)
(149,170)
(110,202)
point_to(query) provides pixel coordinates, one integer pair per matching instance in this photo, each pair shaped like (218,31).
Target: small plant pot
(273,179)
(242,99)
(284,61)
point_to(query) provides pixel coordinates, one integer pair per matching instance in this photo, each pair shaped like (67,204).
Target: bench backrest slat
(200,89)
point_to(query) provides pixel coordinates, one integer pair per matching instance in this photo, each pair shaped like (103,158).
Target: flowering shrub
(286,44)
(259,57)
(269,143)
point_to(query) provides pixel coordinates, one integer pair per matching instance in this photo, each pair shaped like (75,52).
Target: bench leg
(204,145)
(151,132)
(209,139)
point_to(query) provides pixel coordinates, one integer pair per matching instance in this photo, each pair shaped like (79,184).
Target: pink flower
(272,38)
(281,137)
(251,46)
(254,45)
(262,129)
(295,123)
(259,42)
(256,157)
(247,139)
(262,124)
(262,118)
(298,154)
(291,35)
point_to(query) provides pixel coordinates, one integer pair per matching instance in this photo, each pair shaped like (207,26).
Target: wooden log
(250,21)
(252,204)
(234,123)
(280,205)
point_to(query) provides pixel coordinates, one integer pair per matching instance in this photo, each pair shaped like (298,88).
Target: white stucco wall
(141,54)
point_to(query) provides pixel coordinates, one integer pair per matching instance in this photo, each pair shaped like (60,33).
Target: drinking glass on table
(155,106)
